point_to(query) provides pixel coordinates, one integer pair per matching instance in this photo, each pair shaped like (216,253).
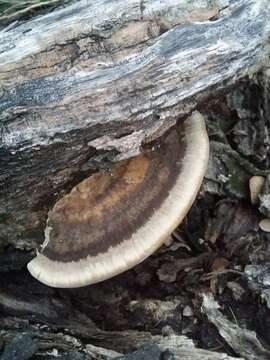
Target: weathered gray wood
(108,343)
(243,341)
(91,83)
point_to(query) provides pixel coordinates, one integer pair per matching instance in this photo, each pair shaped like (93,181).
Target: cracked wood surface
(89,84)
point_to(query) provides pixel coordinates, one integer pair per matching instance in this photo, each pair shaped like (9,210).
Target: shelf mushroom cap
(115,219)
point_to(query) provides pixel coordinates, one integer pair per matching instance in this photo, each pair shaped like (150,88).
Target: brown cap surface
(113,220)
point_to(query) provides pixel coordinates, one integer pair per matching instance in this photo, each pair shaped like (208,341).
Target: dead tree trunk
(94,83)
(91,83)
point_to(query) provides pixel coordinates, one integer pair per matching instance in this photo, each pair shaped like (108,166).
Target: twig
(210,275)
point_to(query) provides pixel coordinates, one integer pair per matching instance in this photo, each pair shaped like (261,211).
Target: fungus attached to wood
(115,219)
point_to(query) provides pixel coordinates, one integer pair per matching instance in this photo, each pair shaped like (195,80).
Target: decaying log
(41,341)
(93,83)
(90,84)
(243,341)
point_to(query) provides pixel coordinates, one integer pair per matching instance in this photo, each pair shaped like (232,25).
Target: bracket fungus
(115,219)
